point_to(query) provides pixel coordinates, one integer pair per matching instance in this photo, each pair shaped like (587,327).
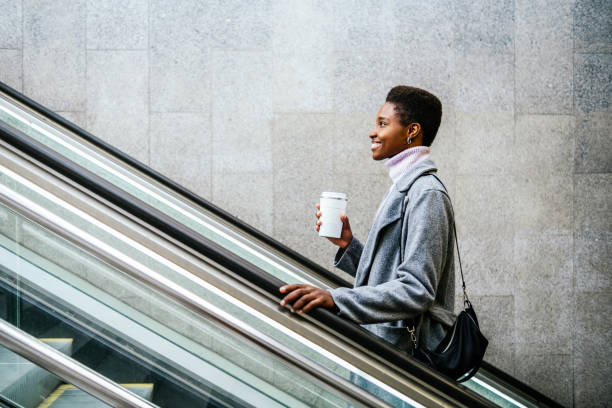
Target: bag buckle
(412,335)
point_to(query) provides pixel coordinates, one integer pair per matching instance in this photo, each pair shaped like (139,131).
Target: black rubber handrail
(173,186)
(182,191)
(229,260)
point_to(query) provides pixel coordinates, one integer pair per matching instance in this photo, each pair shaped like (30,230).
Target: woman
(404,273)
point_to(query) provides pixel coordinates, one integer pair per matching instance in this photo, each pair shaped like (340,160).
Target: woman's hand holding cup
(346,236)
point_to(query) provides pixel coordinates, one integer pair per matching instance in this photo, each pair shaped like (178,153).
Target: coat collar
(423,166)
(391,211)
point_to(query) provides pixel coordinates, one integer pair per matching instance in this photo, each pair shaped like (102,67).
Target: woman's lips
(375,145)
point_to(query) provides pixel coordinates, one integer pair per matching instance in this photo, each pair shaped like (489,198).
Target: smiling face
(389,137)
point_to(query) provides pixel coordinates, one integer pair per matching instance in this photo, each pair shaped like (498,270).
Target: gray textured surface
(533,152)
(543,204)
(186,136)
(302,26)
(592,22)
(544,299)
(117,100)
(485,143)
(260,106)
(361,80)
(593,203)
(10,24)
(294,94)
(593,82)
(483,205)
(592,368)
(485,82)
(12,70)
(484,25)
(544,369)
(544,59)
(250,194)
(593,232)
(116,24)
(54,55)
(423,15)
(593,143)
(499,326)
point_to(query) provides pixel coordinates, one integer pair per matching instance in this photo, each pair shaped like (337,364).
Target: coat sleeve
(428,221)
(348,259)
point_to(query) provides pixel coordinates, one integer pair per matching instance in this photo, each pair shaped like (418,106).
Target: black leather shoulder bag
(462,350)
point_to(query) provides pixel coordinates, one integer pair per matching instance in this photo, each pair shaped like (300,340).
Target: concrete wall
(259,106)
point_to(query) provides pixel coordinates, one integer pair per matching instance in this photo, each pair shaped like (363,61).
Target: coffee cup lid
(330,194)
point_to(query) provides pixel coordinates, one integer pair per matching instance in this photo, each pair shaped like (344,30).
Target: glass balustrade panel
(38,265)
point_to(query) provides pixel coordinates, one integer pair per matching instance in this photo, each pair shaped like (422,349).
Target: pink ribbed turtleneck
(401,162)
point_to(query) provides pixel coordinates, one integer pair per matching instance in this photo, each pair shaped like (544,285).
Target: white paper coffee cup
(331,205)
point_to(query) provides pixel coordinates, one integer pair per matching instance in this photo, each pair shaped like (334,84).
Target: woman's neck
(404,160)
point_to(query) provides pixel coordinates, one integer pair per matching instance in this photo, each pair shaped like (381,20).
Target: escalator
(158,290)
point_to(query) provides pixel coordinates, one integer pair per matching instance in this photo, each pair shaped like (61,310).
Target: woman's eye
(381,123)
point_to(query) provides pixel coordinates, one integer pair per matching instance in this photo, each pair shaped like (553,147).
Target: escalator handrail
(193,302)
(68,369)
(230,261)
(189,195)
(175,187)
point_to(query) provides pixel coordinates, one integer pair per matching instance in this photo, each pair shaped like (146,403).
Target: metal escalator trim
(512,384)
(228,260)
(33,287)
(185,193)
(100,212)
(173,186)
(140,272)
(68,369)
(44,217)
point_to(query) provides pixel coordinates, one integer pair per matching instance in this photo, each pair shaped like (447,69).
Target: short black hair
(417,105)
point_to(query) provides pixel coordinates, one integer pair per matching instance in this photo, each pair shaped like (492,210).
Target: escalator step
(62,344)
(24,382)
(68,396)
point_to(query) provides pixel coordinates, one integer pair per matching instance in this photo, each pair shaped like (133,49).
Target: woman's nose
(373,133)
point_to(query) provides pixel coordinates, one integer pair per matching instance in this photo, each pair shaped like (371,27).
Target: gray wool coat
(405,269)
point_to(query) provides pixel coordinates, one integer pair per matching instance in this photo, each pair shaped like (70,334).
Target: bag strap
(466,300)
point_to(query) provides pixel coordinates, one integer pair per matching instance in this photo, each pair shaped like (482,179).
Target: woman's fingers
(303,301)
(291,297)
(291,287)
(294,292)
(304,298)
(316,302)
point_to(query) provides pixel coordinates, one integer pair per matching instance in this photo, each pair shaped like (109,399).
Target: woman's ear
(413,130)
